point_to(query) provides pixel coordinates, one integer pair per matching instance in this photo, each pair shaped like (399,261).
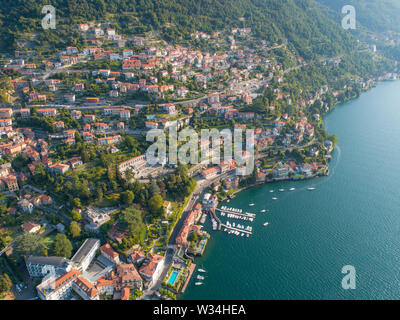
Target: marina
(233,228)
(298,229)
(203,218)
(236,229)
(237,215)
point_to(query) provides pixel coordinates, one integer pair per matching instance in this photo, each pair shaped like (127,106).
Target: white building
(40,266)
(85,254)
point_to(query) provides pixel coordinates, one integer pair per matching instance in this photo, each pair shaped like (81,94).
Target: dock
(191,270)
(236,229)
(214,216)
(246,214)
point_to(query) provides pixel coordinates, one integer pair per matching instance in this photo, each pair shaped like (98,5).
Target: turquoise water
(352,218)
(172,278)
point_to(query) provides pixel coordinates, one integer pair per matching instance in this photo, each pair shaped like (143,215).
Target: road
(149,292)
(200,189)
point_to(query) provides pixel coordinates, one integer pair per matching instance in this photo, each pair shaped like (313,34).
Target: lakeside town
(84,215)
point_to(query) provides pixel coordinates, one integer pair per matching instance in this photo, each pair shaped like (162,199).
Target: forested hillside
(372,15)
(299,21)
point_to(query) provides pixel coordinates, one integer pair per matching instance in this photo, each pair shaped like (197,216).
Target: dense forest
(305,26)
(372,15)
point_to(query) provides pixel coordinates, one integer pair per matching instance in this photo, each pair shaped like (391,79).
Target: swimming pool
(172,277)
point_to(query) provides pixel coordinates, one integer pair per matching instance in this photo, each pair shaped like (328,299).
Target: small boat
(271,190)
(311,189)
(251,204)
(200,277)
(265,224)
(292,189)
(274,198)
(198,283)
(263,210)
(201,270)
(281,190)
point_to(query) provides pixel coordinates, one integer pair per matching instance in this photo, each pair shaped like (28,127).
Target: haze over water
(352,218)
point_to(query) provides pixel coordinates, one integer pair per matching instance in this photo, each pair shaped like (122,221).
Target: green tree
(131,221)
(156,205)
(5,283)
(28,244)
(154,188)
(62,247)
(99,194)
(74,229)
(127,197)
(76,215)
(77,203)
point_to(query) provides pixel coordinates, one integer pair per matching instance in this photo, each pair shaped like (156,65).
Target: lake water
(352,218)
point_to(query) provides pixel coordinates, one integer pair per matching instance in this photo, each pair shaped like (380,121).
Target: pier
(191,270)
(214,216)
(236,229)
(246,214)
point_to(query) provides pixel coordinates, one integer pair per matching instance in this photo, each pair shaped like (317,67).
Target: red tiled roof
(68,277)
(125,293)
(86,286)
(108,250)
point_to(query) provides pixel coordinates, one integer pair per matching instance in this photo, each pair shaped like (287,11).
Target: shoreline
(257,184)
